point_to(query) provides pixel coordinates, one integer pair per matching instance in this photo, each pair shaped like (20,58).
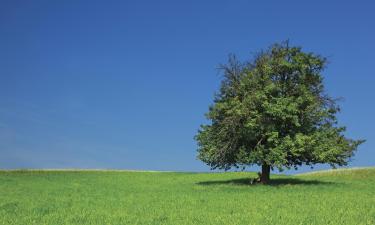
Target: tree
(273,112)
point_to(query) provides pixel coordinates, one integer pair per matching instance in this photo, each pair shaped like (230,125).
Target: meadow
(125,197)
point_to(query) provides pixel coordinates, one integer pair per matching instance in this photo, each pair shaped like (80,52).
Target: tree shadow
(273,182)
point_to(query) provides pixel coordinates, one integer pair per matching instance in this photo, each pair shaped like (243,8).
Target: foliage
(274,111)
(142,198)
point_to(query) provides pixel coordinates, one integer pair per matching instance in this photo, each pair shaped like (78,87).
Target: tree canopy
(273,111)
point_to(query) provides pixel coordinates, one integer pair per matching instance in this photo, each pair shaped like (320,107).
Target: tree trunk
(265,176)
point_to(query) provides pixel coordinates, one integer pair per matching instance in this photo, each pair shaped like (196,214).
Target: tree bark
(265,176)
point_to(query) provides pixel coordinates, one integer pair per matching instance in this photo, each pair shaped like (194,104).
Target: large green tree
(273,112)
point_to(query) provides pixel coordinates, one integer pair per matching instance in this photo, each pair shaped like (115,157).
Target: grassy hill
(120,197)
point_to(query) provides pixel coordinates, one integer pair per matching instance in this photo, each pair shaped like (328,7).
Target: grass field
(119,197)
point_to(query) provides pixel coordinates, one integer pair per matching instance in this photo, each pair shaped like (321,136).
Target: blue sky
(125,84)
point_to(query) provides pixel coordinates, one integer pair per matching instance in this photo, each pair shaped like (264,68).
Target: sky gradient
(125,84)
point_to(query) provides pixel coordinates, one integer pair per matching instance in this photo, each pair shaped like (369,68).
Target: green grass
(113,197)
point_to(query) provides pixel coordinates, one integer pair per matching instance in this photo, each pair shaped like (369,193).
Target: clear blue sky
(125,84)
